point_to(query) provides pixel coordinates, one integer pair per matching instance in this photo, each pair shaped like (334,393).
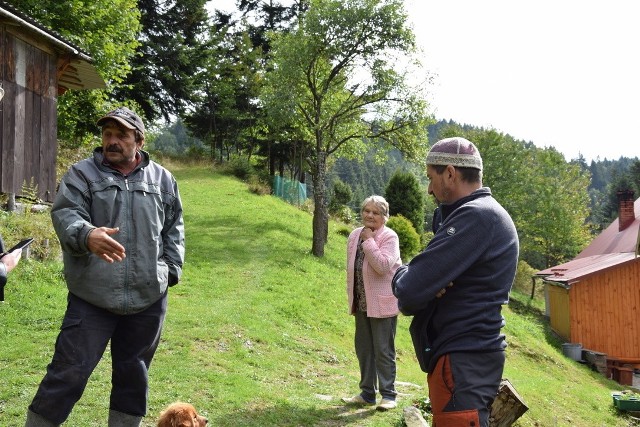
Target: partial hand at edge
(443,290)
(11,259)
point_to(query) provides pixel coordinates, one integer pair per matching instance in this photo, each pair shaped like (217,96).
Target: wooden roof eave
(67,47)
(564,285)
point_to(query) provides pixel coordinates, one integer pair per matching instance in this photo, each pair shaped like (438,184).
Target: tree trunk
(320,210)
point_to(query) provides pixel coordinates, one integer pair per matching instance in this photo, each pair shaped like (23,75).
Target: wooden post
(533,286)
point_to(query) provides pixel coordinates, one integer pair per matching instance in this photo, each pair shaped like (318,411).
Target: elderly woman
(373,256)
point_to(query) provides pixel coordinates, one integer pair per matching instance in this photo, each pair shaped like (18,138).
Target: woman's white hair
(380,203)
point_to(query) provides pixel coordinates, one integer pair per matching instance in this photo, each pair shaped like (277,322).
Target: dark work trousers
(462,388)
(376,351)
(83,338)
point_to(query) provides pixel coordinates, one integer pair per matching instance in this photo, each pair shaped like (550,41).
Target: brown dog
(181,414)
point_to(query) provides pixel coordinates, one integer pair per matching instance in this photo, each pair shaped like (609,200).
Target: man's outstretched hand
(102,244)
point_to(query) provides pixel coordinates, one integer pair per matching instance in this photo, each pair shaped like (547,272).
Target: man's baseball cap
(125,117)
(455,151)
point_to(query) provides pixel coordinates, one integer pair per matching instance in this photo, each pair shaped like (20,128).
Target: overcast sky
(561,73)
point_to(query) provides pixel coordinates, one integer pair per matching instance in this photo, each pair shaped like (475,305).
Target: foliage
(175,140)
(605,202)
(344,214)
(276,340)
(240,167)
(226,113)
(340,197)
(258,187)
(261,17)
(409,238)
(24,223)
(344,231)
(368,174)
(164,68)
(110,42)
(607,178)
(546,196)
(333,83)
(406,198)
(523,281)
(629,395)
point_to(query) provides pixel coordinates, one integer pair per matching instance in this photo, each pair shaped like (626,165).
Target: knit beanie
(455,151)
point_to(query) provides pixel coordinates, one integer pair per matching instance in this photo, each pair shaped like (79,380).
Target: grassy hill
(257,333)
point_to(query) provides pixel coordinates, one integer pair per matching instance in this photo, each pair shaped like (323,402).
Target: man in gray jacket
(118,217)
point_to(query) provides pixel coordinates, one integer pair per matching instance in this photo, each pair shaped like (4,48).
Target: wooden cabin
(594,299)
(36,65)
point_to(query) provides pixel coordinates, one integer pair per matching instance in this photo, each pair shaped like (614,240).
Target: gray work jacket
(146,207)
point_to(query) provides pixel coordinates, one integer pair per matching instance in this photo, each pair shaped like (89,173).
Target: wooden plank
(605,307)
(8,137)
(50,147)
(9,55)
(559,302)
(2,109)
(635,304)
(19,105)
(29,69)
(30,153)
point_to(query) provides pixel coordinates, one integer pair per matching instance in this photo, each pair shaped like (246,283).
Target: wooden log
(507,407)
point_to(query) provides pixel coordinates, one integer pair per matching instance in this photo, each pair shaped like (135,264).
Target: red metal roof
(572,271)
(612,247)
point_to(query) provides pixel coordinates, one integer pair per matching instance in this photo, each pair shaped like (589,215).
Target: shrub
(259,188)
(340,197)
(523,281)
(406,198)
(240,167)
(408,236)
(307,206)
(25,223)
(344,231)
(425,238)
(344,214)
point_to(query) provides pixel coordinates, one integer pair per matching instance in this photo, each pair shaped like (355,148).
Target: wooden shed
(36,65)
(594,299)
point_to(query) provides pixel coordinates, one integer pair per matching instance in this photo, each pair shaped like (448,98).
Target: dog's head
(181,414)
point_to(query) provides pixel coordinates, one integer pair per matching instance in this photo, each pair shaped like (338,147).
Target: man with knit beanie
(473,256)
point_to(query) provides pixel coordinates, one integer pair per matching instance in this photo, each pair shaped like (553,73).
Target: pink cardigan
(381,260)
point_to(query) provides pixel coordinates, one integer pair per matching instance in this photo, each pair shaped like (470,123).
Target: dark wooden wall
(28,128)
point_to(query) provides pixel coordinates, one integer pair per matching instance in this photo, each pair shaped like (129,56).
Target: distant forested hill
(366,177)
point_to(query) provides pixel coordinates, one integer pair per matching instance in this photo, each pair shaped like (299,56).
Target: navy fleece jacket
(476,249)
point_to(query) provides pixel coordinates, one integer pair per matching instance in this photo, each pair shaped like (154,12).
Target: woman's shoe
(357,400)
(386,404)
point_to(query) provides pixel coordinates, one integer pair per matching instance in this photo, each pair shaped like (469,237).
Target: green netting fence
(290,190)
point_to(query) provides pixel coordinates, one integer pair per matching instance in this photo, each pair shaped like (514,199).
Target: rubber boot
(120,419)
(36,420)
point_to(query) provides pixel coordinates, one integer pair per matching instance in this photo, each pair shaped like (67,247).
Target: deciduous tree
(336,81)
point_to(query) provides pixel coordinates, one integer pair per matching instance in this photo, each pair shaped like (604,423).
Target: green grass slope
(257,332)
